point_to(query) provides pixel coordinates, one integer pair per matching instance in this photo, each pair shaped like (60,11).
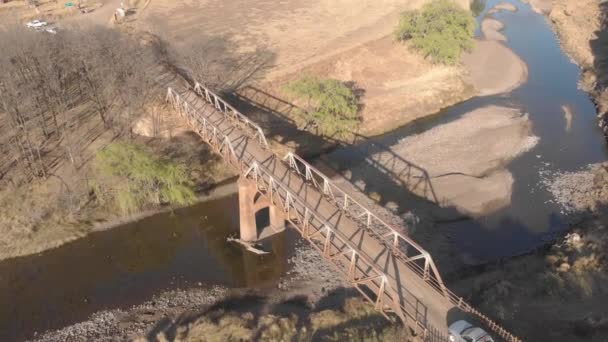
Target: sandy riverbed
(465,160)
(494,68)
(491,28)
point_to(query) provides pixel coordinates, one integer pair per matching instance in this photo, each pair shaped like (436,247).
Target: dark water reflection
(130,264)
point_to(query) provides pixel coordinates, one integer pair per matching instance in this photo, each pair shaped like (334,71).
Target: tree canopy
(133,178)
(441,30)
(330,106)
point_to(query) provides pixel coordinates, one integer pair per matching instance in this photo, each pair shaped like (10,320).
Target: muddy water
(128,265)
(532,218)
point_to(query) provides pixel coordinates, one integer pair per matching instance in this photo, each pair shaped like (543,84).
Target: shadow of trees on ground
(339,315)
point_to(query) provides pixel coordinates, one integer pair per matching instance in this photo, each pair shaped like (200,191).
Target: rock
(564,267)
(573,240)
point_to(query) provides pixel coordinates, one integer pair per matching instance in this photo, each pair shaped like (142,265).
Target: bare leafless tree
(44,77)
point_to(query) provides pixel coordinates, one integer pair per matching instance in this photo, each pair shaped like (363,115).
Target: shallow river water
(130,264)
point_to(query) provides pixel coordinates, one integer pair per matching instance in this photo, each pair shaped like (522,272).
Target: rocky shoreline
(310,290)
(580,27)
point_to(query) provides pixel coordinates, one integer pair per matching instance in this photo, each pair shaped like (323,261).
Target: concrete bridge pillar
(250,202)
(277,218)
(248,226)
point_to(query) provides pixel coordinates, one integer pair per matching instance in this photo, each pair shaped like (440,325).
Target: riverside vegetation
(440,31)
(69,160)
(131,179)
(330,105)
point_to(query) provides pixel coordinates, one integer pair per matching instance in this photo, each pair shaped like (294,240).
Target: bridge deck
(404,291)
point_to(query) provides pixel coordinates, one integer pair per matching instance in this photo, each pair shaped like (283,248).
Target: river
(532,218)
(128,265)
(125,266)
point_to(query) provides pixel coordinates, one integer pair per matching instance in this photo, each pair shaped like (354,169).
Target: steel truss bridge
(395,274)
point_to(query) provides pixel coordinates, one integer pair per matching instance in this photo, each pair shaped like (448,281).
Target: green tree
(441,30)
(330,106)
(133,178)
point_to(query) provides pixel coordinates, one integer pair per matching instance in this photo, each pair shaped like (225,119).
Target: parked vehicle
(36,24)
(463,331)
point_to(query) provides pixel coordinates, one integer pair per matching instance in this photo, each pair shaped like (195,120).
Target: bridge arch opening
(262,219)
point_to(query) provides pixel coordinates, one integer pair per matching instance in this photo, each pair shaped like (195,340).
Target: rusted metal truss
(362,272)
(238,119)
(399,244)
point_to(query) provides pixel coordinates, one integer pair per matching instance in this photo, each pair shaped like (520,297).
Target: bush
(441,31)
(133,178)
(477,7)
(330,106)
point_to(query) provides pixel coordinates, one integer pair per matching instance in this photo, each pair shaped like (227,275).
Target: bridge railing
(407,250)
(359,268)
(232,114)
(375,285)
(402,246)
(220,142)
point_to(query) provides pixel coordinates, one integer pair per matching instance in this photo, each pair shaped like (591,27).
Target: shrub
(330,106)
(133,178)
(441,30)
(477,7)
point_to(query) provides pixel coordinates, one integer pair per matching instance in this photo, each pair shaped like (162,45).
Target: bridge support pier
(251,202)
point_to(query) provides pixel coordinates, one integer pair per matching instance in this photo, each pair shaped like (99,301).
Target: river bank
(308,302)
(48,213)
(581,27)
(561,287)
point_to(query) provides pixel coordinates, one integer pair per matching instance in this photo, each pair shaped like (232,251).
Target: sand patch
(567,116)
(494,68)
(465,160)
(542,6)
(491,28)
(503,6)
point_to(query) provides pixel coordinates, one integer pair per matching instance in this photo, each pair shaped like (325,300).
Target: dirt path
(298,32)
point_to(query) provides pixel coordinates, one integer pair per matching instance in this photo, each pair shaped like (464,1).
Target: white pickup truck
(36,24)
(463,331)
